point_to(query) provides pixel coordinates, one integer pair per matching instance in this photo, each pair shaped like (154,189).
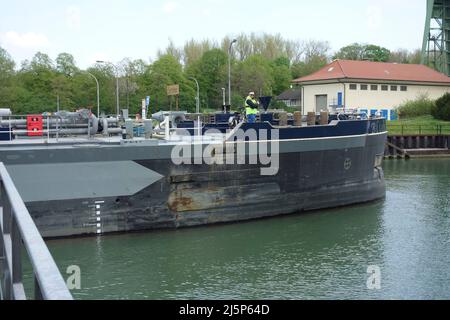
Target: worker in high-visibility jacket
(251,108)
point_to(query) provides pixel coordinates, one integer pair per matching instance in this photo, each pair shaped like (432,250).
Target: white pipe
(144,109)
(167,127)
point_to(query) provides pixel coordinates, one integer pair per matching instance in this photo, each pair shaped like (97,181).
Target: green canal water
(320,255)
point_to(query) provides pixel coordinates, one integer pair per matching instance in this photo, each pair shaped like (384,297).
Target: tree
(86,88)
(399,56)
(441,110)
(358,51)
(171,50)
(415,57)
(194,50)
(253,74)
(377,53)
(131,84)
(316,50)
(281,75)
(354,51)
(7,64)
(303,69)
(65,64)
(7,74)
(36,79)
(42,62)
(167,70)
(211,72)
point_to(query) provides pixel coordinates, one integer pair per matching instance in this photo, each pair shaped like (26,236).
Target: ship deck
(109,141)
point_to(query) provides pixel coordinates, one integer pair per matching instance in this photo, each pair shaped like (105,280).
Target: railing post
(16,242)
(6,232)
(57,129)
(2,249)
(10,129)
(48,129)
(37,290)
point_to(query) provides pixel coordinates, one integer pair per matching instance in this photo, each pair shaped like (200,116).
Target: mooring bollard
(324,118)
(297,119)
(283,119)
(311,119)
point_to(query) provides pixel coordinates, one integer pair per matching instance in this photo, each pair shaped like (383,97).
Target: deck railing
(17,228)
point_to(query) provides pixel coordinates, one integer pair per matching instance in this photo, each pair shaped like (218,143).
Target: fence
(418,130)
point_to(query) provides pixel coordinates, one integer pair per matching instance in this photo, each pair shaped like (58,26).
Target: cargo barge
(184,172)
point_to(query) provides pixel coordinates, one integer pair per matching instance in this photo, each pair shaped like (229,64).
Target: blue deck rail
(17,227)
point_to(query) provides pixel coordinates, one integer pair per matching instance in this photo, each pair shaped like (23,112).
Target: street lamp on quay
(98,92)
(229,71)
(117,84)
(197,104)
(197,98)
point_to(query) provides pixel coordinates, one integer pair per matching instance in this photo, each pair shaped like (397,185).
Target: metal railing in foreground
(18,227)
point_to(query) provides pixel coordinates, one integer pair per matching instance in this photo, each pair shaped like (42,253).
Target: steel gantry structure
(436,41)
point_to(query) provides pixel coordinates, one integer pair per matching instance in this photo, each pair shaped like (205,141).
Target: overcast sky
(115,29)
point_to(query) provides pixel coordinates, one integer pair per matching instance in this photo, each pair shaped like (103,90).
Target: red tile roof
(367,70)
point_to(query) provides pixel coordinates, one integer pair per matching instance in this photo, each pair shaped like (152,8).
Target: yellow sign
(173,90)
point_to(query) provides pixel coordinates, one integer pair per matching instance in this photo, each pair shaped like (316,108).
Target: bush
(441,110)
(422,106)
(275,104)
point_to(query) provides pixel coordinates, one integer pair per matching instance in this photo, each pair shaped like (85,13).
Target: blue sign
(147,101)
(340,99)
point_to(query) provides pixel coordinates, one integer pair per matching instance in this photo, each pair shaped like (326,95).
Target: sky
(111,30)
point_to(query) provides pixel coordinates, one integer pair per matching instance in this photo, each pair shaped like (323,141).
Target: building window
(404,88)
(374,87)
(353,87)
(384,88)
(364,87)
(394,88)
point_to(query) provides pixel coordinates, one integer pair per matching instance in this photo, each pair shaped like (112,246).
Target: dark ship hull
(78,189)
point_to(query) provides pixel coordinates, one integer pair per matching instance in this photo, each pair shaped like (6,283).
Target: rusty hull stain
(201,199)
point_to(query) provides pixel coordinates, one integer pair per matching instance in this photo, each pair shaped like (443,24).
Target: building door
(321,103)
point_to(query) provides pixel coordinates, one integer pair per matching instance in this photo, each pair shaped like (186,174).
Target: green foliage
(358,51)
(442,109)
(279,105)
(164,72)
(253,74)
(65,64)
(262,63)
(211,71)
(421,106)
(377,53)
(6,79)
(281,74)
(353,51)
(238,102)
(406,57)
(302,69)
(6,64)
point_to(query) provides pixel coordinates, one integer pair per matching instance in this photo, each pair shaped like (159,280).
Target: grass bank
(423,125)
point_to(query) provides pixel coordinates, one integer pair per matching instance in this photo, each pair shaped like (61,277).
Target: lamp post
(229,71)
(117,85)
(197,98)
(224,100)
(98,92)
(197,103)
